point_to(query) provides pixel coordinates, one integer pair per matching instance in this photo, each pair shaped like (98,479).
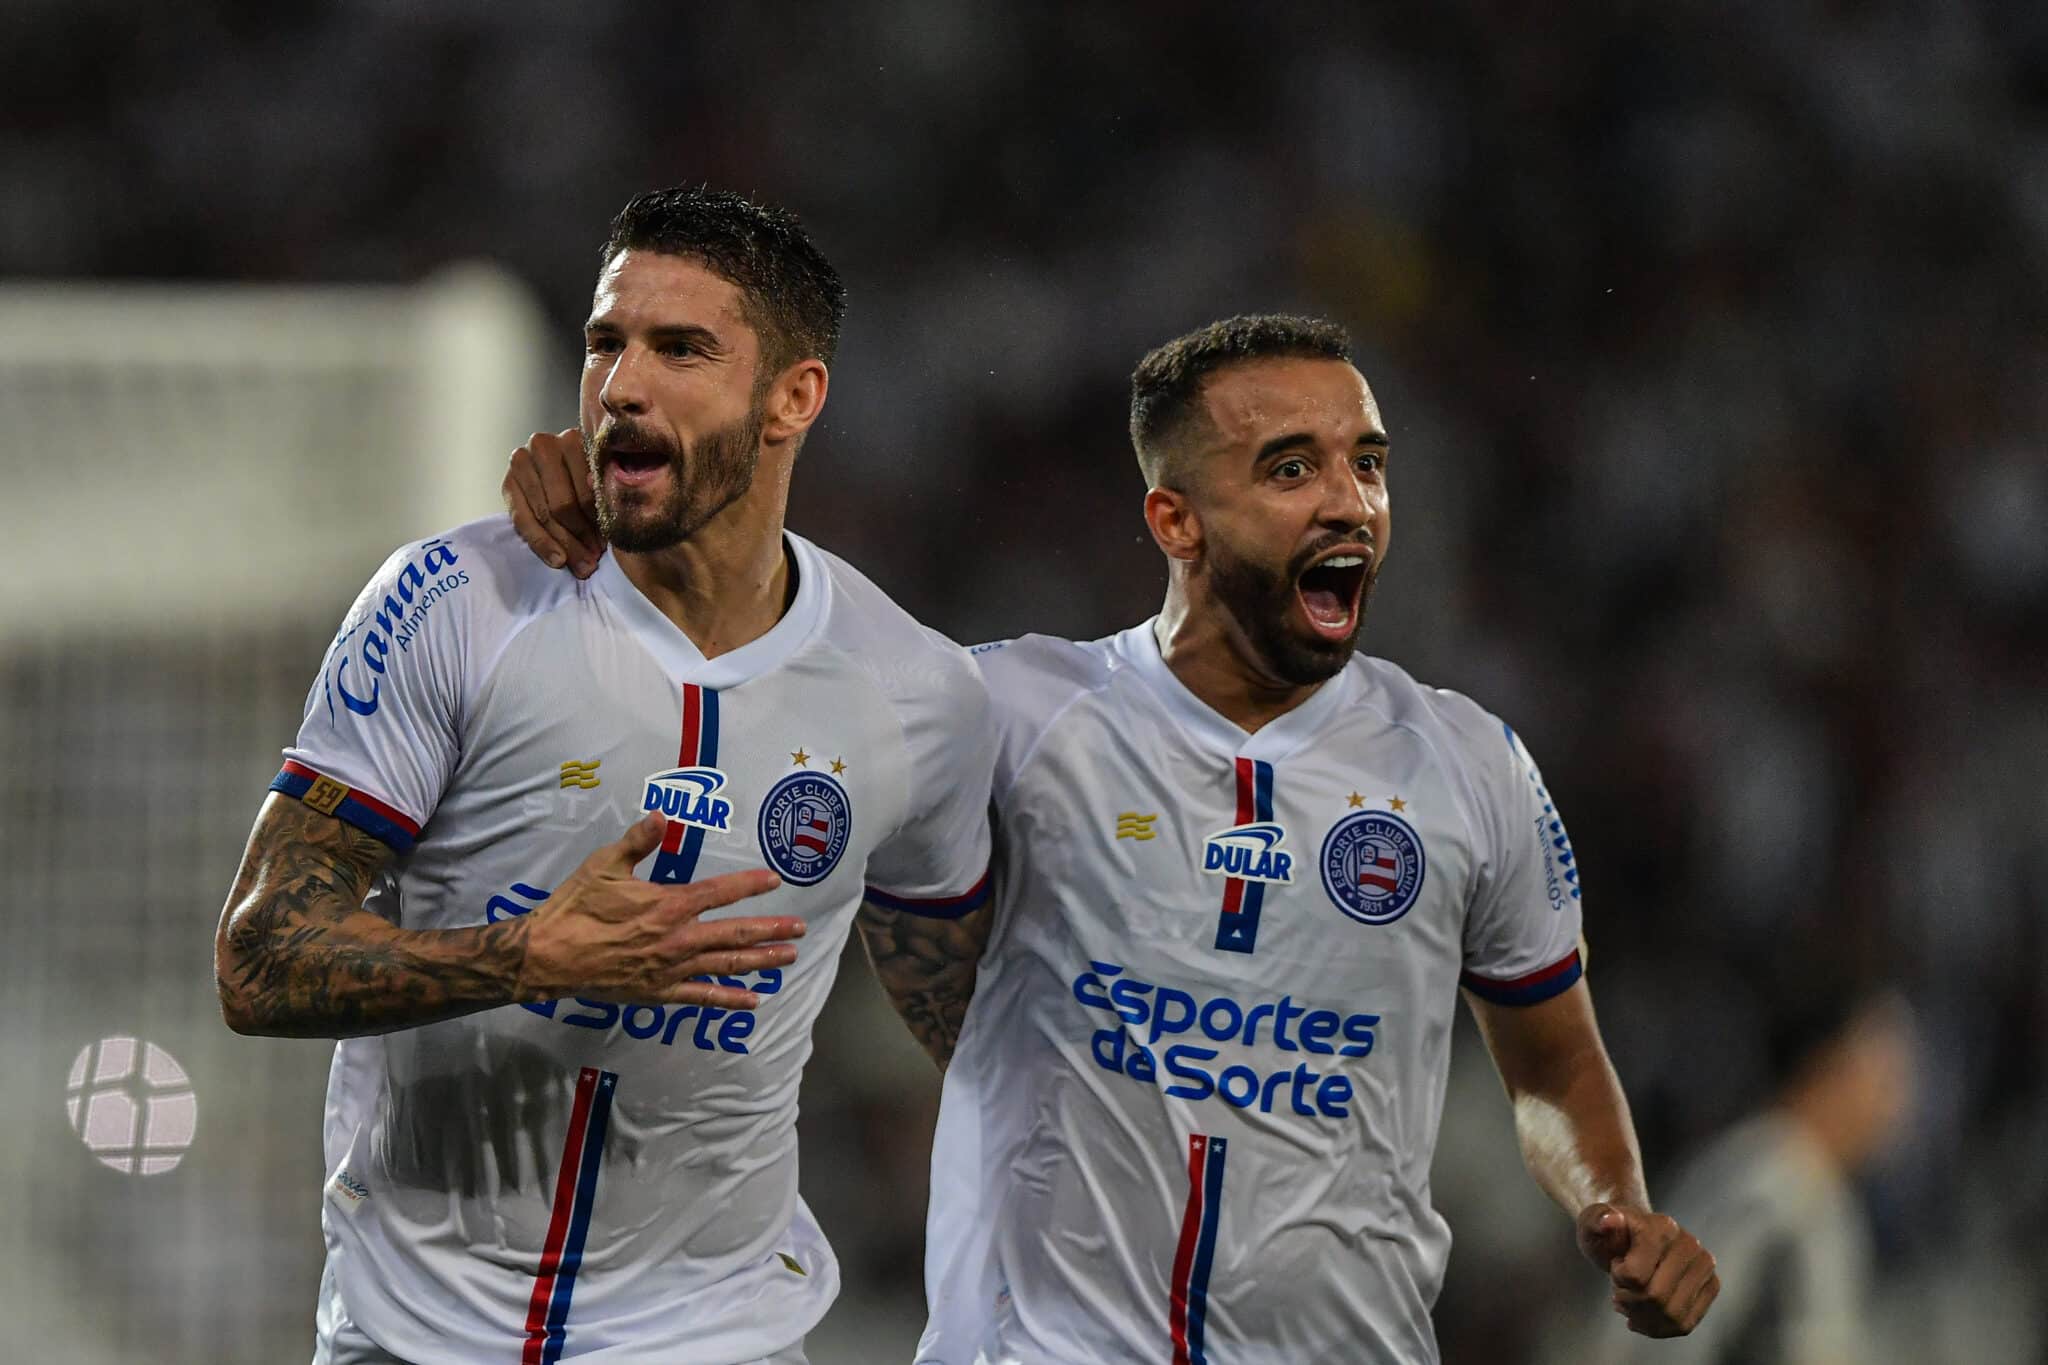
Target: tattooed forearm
(927,966)
(298,956)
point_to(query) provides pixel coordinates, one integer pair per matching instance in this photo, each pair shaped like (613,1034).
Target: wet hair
(789,293)
(1166,388)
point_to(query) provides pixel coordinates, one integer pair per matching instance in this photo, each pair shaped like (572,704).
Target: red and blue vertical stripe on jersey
(547,1312)
(1238,929)
(1188,1310)
(680,845)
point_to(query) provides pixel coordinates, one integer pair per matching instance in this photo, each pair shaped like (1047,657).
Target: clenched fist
(1663,1278)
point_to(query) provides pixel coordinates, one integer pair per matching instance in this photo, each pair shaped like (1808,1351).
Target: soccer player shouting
(1242,873)
(561,1122)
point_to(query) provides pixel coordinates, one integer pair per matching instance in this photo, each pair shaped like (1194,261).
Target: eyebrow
(1297,440)
(664,333)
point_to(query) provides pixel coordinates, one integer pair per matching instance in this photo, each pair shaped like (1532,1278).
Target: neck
(1204,648)
(728,584)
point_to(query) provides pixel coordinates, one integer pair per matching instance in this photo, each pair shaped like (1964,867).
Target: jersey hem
(1532,989)
(380,821)
(934,907)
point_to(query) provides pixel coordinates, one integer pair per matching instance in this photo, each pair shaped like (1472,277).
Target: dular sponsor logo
(688,797)
(1250,852)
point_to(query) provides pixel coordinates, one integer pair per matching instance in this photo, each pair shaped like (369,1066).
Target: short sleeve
(936,862)
(1522,928)
(380,735)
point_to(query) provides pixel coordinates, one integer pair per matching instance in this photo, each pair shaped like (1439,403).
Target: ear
(1176,526)
(794,400)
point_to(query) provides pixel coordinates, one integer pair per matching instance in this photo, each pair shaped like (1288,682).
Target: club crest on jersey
(1249,852)
(805,823)
(686,796)
(1373,866)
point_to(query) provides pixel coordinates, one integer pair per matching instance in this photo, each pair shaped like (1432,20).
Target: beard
(705,479)
(1261,600)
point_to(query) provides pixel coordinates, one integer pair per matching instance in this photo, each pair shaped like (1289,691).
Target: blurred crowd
(1712,337)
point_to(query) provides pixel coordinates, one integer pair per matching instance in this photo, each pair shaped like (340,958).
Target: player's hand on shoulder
(547,491)
(607,935)
(1664,1280)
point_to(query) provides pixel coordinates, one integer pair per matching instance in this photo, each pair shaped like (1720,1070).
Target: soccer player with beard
(1242,874)
(560,1123)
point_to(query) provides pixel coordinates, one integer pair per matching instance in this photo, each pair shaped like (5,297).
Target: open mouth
(634,466)
(1329,591)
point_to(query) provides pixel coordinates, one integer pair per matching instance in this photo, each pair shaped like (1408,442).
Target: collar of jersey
(1210,729)
(677,653)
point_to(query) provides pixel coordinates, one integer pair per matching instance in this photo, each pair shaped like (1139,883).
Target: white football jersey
(1193,1105)
(578,1179)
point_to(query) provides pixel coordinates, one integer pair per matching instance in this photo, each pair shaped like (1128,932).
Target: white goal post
(175,456)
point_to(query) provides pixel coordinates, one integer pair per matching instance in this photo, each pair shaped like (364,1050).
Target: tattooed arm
(298,956)
(927,966)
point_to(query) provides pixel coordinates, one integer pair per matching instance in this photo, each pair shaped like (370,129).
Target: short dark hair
(789,293)
(1166,388)
(1811,1010)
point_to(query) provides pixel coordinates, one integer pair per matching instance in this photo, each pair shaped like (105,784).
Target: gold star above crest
(1397,803)
(799,757)
(837,767)
(1354,800)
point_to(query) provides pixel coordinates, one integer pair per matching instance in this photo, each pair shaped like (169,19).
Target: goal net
(194,483)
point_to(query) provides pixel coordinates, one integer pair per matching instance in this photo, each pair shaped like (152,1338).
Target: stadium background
(1714,343)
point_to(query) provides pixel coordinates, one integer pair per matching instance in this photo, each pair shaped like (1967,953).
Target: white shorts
(338,1341)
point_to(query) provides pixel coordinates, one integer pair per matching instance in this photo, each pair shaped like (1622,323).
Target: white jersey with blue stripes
(580,1180)
(1193,1107)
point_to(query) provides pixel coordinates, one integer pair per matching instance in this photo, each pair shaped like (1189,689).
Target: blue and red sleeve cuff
(343,802)
(1533,989)
(939,907)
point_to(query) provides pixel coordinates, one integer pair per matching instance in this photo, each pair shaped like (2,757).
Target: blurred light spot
(135,1121)
(117,1059)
